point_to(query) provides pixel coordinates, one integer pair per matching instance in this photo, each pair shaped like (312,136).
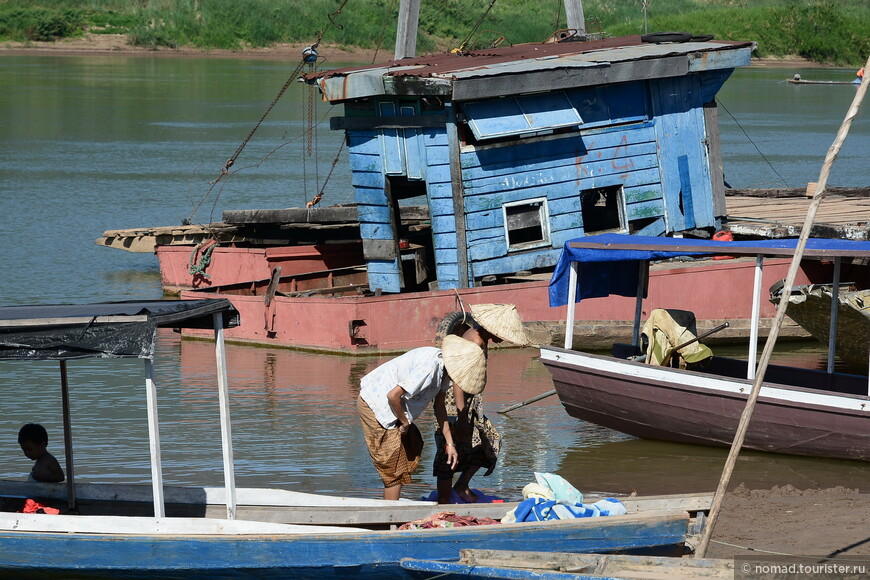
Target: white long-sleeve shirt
(420,372)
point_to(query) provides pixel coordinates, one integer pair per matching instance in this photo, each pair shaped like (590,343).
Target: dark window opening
(526,224)
(413,230)
(602,209)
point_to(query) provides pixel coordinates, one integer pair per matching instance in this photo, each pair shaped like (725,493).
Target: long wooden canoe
(563,566)
(289,507)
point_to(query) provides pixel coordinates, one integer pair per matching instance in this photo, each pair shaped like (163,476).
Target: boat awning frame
(598,266)
(120,330)
(608,263)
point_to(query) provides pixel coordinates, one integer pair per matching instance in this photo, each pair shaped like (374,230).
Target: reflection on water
(295,426)
(654,467)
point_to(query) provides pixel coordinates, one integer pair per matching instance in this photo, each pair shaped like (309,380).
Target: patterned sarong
(394,455)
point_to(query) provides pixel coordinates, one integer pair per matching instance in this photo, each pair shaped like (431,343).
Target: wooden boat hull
(813,82)
(811,308)
(359,554)
(285,506)
(523,565)
(362,324)
(691,407)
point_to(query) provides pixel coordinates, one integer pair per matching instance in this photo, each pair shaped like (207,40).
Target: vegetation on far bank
(827,31)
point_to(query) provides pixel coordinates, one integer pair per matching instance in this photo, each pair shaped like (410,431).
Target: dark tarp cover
(606,270)
(108,329)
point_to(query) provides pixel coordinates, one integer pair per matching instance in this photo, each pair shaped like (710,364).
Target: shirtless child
(33,440)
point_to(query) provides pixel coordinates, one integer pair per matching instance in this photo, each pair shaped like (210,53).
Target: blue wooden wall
(647,137)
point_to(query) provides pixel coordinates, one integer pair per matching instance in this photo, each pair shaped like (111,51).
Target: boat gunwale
(730,385)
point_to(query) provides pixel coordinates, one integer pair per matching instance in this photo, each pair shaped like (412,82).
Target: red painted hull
(229,265)
(396,323)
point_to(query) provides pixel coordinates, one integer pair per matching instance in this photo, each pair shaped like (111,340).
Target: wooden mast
(574,14)
(406,31)
(409,15)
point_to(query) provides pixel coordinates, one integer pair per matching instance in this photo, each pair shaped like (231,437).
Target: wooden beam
(458,201)
(338,214)
(569,77)
(392,122)
(714,158)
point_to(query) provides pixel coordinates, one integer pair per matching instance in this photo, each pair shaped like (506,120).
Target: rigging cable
(309,132)
(225,170)
(319,196)
(559,6)
(387,17)
(474,28)
(719,103)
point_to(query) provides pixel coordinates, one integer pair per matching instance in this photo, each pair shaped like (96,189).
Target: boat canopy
(609,263)
(119,330)
(107,330)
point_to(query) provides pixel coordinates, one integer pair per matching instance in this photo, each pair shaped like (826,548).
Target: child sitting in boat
(33,440)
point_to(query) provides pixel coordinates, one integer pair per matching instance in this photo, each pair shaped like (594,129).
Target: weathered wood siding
(647,137)
(556,169)
(375,220)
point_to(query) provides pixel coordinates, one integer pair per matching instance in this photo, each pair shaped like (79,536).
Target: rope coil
(196,266)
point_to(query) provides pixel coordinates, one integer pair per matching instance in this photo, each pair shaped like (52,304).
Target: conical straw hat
(465,363)
(502,320)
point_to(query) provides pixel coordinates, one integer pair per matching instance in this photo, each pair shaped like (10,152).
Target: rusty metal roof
(462,76)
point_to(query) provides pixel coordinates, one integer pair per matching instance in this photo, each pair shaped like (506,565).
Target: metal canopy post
(572,304)
(751,362)
(154,440)
(835,313)
(67,440)
(226,429)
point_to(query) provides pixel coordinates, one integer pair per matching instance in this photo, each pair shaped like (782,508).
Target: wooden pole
(510,408)
(67,442)
(154,440)
(458,193)
(406,31)
(780,315)
(575,17)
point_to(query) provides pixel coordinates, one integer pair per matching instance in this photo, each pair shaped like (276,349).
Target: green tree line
(827,31)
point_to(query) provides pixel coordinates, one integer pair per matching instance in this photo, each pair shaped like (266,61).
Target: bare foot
(467,495)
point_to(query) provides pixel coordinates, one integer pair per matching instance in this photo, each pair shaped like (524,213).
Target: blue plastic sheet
(606,270)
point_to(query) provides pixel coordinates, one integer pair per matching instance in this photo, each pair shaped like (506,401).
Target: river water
(96,143)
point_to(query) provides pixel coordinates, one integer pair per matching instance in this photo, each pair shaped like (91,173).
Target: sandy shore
(116,44)
(788,521)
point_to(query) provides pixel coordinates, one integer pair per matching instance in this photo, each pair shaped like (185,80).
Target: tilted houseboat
(470,170)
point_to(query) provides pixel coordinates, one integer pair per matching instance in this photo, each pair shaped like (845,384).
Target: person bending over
(395,394)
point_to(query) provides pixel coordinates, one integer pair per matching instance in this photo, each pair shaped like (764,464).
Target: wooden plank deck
(765,213)
(773,216)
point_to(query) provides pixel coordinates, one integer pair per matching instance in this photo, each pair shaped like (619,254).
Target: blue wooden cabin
(516,150)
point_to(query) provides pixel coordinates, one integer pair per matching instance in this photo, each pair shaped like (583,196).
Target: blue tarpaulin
(613,266)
